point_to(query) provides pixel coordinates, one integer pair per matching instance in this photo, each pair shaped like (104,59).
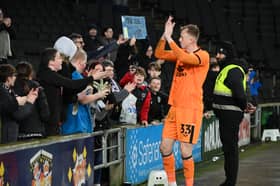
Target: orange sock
(188,165)
(169,167)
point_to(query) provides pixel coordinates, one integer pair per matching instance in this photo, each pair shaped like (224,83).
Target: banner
(142,153)
(58,163)
(134,26)
(212,144)
(212,139)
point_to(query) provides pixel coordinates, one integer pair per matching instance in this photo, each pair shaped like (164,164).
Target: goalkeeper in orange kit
(184,119)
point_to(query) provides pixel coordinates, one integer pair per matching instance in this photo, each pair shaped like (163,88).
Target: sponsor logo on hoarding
(212,136)
(143,153)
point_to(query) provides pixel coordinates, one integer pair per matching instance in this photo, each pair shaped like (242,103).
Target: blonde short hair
(191,29)
(80,54)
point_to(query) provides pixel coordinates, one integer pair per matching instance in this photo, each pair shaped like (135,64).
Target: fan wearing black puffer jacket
(32,125)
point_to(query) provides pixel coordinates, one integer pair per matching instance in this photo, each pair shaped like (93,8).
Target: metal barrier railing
(257,117)
(111,148)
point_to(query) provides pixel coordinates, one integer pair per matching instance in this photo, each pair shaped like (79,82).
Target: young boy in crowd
(143,95)
(158,104)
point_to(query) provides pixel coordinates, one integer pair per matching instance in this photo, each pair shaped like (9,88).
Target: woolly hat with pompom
(66,46)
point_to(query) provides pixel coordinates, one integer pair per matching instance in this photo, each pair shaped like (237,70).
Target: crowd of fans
(82,85)
(89,83)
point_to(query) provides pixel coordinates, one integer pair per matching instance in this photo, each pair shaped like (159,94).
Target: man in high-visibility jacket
(229,105)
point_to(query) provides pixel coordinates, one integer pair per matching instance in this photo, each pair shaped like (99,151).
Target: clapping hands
(168,29)
(32,95)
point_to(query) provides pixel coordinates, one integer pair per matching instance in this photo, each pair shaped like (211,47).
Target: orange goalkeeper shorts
(182,124)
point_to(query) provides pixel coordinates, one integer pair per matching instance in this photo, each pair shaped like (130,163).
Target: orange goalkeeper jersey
(190,73)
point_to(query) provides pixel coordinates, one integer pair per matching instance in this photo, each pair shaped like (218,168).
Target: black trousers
(229,127)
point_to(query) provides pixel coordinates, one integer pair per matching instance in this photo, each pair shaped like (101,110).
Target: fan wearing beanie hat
(92,26)
(225,49)
(66,46)
(92,41)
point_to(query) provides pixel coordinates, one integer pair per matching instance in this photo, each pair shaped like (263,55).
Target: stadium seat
(220,18)
(166,5)
(236,26)
(250,8)
(106,14)
(267,86)
(271,135)
(180,9)
(157,177)
(193,12)
(207,19)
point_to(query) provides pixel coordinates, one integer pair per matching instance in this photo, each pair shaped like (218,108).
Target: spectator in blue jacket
(254,86)
(78,117)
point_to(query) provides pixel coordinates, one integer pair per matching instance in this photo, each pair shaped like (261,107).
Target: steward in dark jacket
(229,106)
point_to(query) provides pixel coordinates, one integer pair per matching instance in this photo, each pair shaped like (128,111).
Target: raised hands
(132,41)
(21,100)
(130,86)
(168,28)
(99,75)
(121,40)
(103,93)
(32,95)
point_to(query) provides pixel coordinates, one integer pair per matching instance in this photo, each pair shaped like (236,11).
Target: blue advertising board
(54,163)
(134,26)
(143,154)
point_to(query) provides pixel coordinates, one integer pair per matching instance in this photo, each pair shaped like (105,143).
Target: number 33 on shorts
(187,130)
